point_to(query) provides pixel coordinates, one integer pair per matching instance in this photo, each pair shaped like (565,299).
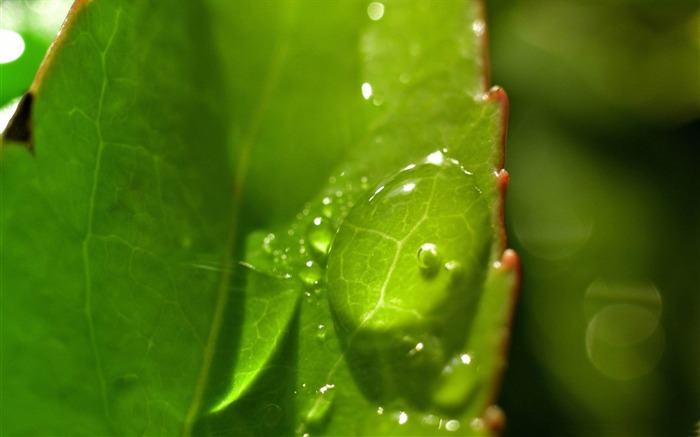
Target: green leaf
(105,318)
(167,242)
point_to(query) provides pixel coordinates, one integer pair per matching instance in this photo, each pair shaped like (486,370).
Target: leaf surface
(105,318)
(166,245)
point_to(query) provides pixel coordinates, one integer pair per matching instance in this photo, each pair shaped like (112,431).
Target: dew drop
(319,235)
(321,332)
(455,270)
(428,257)
(456,382)
(375,10)
(322,406)
(452,425)
(327,207)
(310,273)
(403,417)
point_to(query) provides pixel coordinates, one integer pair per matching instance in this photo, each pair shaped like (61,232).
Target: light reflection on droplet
(465,358)
(407,188)
(435,158)
(366,90)
(624,339)
(478,27)
(326,387)
(375,10)
(403,418)
(452,425)
(378,190)
(11,46)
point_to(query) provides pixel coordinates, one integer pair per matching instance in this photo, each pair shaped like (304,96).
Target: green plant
(191,170)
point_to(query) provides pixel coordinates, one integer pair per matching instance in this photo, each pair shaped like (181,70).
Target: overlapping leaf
(164,135)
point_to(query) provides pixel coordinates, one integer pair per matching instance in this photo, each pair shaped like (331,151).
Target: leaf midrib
(276,65)
(89,229)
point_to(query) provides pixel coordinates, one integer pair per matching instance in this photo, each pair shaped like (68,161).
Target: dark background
(603,209)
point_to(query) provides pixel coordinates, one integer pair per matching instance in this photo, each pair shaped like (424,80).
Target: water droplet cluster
(302,249)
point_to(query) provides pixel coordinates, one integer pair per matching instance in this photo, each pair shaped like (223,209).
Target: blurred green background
(603,206)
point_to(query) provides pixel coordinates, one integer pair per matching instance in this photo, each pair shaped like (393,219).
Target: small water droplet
(321,333)
(479,27)
(404,78)
(321,407)
(366,93)
(428,257)
(416,349)
(310,273)
(452,425)
(380,410)
(455,270)
(456,382)
(319,235)
(375,11)
(403,417)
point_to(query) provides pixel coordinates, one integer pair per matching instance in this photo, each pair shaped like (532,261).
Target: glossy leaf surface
(165,245)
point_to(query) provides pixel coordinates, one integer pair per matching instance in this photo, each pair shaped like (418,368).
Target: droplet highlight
(452,425)
(403,417)
(321,332)
(428,257)
(319,235)
(322,406)
(311,273)
(455,270)
(375,11)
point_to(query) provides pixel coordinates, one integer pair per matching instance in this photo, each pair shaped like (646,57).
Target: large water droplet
(319,235)
(428,257)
